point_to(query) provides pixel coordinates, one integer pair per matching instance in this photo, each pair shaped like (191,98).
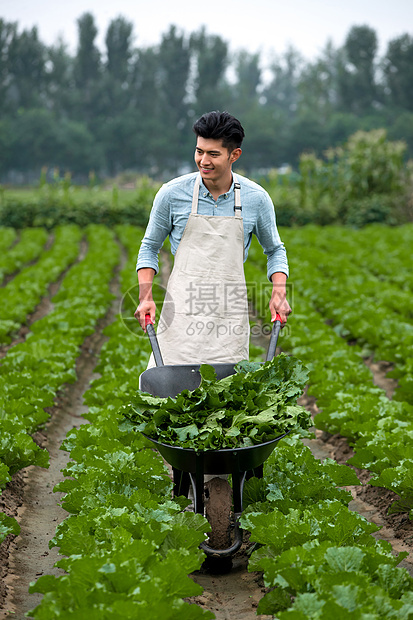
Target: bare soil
(232,595)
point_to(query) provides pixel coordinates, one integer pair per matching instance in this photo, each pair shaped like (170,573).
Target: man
(210,217)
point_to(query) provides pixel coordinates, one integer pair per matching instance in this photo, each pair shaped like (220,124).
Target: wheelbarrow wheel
(218,511)
(218,503)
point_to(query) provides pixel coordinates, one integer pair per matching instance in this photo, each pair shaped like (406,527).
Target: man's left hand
(278,302)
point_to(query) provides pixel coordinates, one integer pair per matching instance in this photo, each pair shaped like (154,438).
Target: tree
(174,62)
(340,126)
(317,84)
(265,140)
(8,32)
(210,54)
(244,94)
(172,83)
(116,75)
(402,129)
(358,91)
(26,62)
(87,67)
(35,139)
(145,102)
(119,48)
(76,149)
(282,92)
(398,71)
(248,74)
(7,140)
(61,92)
(307,134)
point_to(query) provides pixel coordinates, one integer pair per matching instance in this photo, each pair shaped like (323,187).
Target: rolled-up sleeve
(159,227)
(269,238)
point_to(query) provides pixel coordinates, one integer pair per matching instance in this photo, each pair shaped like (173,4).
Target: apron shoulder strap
(196,194)
(237,197)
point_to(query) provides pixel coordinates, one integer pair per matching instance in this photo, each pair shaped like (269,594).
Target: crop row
(319,559)
(24,292)
(8,236)
(370,308)
(30,245)
(378,250)
(312,547)
(33,371)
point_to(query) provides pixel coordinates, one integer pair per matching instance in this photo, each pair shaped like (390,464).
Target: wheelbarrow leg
(181,482)
(258,472)
(197,481)
(238,479)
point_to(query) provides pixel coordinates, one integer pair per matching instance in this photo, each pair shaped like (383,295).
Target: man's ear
(236,154)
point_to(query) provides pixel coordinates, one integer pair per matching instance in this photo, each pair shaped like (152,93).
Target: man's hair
(220,126)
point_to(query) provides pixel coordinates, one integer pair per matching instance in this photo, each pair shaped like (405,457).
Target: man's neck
(216,189)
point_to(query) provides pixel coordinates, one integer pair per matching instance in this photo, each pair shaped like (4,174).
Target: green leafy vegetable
(256,404)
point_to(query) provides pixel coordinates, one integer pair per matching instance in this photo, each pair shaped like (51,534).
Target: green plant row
(361,306)
(379,429)
(319,559)
(30,245)
(7,237)
(385,253)
(374,309)
(33,371)
(129,547)
(22,294)
(377,249)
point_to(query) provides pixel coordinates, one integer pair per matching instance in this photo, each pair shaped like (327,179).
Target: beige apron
(204,317)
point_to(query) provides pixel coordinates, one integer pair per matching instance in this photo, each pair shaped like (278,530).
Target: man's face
(214,161)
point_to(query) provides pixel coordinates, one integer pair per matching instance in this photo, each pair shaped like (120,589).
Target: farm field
(71,356)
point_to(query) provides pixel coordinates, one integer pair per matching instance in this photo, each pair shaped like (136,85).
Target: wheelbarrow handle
(276,326)
(150,330)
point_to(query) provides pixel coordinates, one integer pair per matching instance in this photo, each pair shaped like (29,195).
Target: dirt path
(232,596)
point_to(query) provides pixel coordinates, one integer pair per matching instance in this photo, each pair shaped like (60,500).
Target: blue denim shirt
(172,206)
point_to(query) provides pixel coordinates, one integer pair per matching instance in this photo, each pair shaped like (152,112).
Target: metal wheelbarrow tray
(190,466)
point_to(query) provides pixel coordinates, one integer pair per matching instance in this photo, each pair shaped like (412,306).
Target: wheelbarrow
(189,466)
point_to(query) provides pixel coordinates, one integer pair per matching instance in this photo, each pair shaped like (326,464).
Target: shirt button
(225,196)
(205,194)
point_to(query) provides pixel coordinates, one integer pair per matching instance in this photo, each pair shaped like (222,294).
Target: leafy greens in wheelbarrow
(255,405)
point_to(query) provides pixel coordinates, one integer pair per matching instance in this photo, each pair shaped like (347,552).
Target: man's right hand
(146,302)
(144,308)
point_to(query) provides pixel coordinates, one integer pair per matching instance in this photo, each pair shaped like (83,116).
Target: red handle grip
(276,328)
(150,330)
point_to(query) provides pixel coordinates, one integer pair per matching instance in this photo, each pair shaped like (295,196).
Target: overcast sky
(256,25)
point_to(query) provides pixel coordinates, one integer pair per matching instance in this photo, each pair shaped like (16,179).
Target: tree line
(132,108)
